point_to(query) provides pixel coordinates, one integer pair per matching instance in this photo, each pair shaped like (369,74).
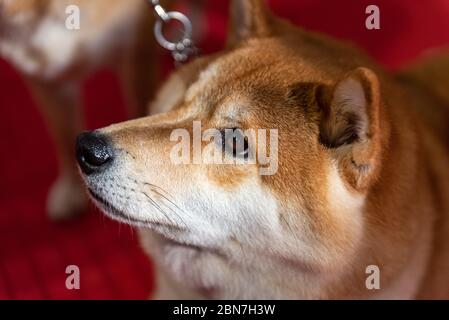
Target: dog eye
(235,143)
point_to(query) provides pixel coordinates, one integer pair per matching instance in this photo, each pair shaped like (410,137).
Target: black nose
(93,152)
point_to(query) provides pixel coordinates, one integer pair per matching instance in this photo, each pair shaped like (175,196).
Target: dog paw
(66,199)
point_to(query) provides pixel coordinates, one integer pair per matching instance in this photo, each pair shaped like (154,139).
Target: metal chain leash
(183,49)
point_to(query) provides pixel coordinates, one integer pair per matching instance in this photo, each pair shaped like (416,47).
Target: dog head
(44,39)
(19,17)
(20,21)
(285,228)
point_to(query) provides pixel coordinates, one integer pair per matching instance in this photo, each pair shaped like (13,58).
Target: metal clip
(182,49)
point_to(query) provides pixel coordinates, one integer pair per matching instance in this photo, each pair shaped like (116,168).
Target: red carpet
(34,252)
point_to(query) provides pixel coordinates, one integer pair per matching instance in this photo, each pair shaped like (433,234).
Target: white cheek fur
(243,222)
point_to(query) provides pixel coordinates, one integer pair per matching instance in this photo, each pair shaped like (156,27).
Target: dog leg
(60,105)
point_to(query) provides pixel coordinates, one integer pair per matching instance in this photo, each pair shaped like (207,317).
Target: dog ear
(350,125)
(249,19)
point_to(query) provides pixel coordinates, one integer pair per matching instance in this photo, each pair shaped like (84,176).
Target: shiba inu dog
(362,178)
(54,59)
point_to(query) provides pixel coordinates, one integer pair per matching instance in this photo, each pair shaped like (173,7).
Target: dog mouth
(117,214)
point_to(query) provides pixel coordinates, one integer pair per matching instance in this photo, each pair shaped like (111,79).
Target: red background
(35,252)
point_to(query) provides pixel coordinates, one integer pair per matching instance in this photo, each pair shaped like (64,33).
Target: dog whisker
(172,203)
(158,207)
(166,197)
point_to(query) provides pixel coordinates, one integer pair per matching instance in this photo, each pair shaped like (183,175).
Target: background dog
(363,177)
(54,60)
